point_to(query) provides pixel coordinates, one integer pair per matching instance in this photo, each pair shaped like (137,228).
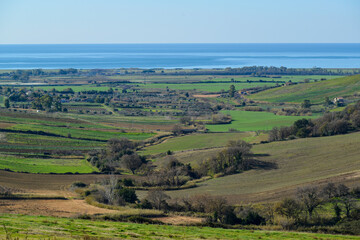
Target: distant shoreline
(184,56)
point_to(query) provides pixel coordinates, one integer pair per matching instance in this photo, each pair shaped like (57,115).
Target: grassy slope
(40,227)
(316,92)
(38,165)
(252,121)
(299,161)
(197,141)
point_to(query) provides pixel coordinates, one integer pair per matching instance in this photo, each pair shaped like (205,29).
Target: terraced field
(40,143)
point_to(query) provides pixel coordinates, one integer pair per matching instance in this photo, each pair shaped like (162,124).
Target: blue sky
(179,21)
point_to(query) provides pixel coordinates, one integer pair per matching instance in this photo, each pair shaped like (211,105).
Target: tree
(330,190)
(177,129)
(58,106)
(46,101)
(327,101)
(7,103)
(289,208)
(118,147)
(343,190)
(349,203)
(310,198)
(128,195)
(157,198)
(232,91)
(355,119)
(132,162)
(238,153)
(108,190)
(306,104)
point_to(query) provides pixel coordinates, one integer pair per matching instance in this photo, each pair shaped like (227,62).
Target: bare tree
(6,191)
(176,130)
(343,190)
(157,198)
(107,190)
(309,196)
(330,190)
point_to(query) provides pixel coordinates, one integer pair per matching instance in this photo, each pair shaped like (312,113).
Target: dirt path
(179,220)
(56,208)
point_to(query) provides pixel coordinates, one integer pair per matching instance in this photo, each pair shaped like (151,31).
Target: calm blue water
(87,56)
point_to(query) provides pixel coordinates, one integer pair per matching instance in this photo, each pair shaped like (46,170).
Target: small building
(338,100)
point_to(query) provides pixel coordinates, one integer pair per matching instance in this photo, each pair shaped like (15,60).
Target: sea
(187,56)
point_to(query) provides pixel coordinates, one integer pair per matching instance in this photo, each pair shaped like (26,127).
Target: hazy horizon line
(180,43)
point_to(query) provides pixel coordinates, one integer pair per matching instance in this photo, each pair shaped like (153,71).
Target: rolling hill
(299,162)
(316,92)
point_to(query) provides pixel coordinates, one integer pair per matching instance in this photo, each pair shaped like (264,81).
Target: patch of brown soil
(55,208)
(48,184)
(6,125)
(179,220)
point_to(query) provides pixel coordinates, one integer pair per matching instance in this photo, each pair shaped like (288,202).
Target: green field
(21,139)
(51,165)
(197,141)
(207,87)
(300,161)
(225,82)
(39,227)
(29,150)
(253,121)
(217,78)
(76,88)
(82,133)
(153,120)
(316,92)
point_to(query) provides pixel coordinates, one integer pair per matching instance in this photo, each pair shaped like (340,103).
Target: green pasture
(315,92)
(253,121)
(213,78)
(47,141)
(56,120)
(82,133)
(47,165)
(197,141)
(40,227)
(153,120)
(76,88)
(206,87)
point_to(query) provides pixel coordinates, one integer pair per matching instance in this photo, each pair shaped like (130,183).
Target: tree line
(331,123)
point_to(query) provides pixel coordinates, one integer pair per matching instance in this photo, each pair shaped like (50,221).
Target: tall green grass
(40,227)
